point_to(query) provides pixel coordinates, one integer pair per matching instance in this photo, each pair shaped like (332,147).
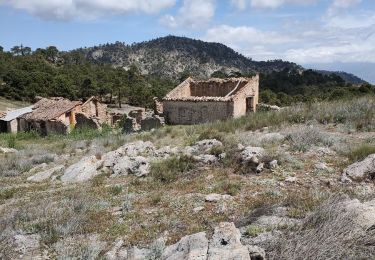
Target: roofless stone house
(194,102)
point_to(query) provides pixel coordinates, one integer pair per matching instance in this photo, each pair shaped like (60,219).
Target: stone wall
(84,121)
(56,127)
(213,88)
(182,90)
(196,112)
(251,89)
(94,108)
(12,126)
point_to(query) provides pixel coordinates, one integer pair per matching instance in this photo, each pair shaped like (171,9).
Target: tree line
(25,74)
(290,86)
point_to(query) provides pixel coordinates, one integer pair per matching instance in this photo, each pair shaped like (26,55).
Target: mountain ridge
(172,56)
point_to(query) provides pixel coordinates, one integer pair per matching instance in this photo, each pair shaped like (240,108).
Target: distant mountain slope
(171,56)
(348,77)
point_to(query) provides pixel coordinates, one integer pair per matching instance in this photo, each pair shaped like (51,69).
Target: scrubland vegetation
(82,220)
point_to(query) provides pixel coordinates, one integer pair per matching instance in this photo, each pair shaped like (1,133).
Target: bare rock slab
(226,244)
(45,175)
(362,170)
(193,247)
(7,150)
(83,170)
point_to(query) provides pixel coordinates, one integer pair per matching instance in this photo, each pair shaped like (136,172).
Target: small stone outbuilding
(195,102)
(9,121)
(51,116)
(95,109)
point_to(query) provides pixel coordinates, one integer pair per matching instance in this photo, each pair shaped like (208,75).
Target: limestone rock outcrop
(83,170)
(360,171)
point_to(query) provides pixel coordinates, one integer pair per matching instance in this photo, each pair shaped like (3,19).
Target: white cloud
(341,52)
(342,38)
(339,5)
(240,4)
(86,9)
(347,21)
(268,4)
(192,14)
(245,35)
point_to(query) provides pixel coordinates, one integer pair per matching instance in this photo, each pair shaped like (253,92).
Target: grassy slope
(5,103)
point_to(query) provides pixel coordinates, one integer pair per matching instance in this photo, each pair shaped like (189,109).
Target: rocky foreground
(265,194)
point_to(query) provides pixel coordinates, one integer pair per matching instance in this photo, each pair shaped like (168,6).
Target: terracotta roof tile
(49,109)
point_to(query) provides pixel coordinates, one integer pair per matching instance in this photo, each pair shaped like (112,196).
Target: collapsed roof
(14,114)
(211,90)
(51,108)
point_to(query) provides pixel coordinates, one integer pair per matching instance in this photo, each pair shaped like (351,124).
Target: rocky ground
(287,191)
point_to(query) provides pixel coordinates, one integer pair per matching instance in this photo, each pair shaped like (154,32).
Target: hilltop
(172,56)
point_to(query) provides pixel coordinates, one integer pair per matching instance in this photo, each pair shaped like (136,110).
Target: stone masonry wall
(250,90)
(196,112)
(96,109)
(213,88)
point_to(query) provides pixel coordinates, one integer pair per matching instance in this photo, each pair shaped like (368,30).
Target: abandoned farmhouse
(54,116)
(191,102)
(195,102)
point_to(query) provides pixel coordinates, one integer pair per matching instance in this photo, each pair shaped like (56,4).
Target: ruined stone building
(9,121)
(95,109)
(51,116)
(93,114)
(194,102)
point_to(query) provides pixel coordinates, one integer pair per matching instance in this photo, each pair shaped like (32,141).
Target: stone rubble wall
(196,112)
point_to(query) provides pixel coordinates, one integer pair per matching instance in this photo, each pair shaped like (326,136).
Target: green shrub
(7,193)
(228,187)
(217,150)
(12,141)
(115,190)
(99,180)
(211,133)
(307,137)
(168,170)
(254,231)
(360,152)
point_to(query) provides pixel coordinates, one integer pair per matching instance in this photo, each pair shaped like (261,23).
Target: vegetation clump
(170,169)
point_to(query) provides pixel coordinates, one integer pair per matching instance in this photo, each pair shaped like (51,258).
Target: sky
(321,34)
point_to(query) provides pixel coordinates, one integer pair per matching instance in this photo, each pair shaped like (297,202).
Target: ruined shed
(95,109)
(9,120)
(194,102)
(51,116)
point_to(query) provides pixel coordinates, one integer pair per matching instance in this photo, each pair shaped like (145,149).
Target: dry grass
(64,215)
(5,103)
(329,233)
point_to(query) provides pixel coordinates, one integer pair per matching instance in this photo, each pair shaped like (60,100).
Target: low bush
(115,190)
(253,231)
(168,170)
(361,152)
(307,137)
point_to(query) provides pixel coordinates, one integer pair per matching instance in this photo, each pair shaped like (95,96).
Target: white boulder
(362,170)
(7,150)
(193,247)
(45,175)
(253,154)
(226,244)
(83,170)
(138,165)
